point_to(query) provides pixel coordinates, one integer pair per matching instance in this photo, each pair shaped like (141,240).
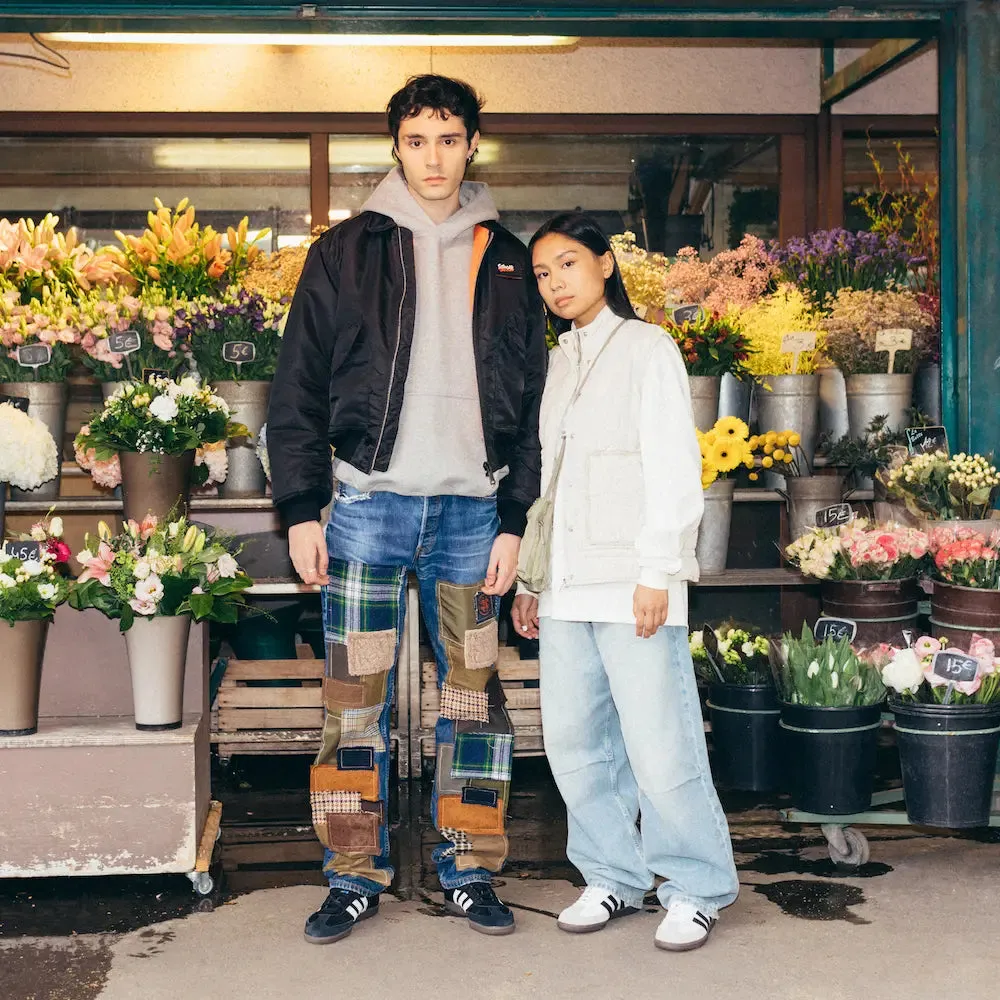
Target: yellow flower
(704,446)
(709,436)
(752,443)
(731,427)
(753,477)
(794,439)
(782,439)
(767,461)
(770,437)
(787,459)
(768,448)
(726,456)
(709,473)
(779,454)
(748,460)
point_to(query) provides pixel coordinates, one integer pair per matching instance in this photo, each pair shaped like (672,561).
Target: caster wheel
(848,847)
(202,882)
(428,765)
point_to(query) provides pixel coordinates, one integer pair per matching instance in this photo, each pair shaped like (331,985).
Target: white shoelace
(594,894)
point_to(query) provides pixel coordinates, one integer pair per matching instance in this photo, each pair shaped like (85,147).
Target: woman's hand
(650,609)
(524,615)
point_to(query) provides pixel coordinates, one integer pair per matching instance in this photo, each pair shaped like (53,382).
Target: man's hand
(650,609)
(524,615)
(502,569)
(307,547)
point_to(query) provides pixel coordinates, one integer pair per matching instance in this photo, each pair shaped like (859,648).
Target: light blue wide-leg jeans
(624,738)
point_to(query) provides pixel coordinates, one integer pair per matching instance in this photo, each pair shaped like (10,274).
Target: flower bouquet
(831,713)
(724,449)
(742,706)
(154,577)
(51,320)
(33,584)
(785,310)
(28,454)
(732,280)
(937,487)
(644,276)
(154,429)
(711,345)
(946,702)
(966,573)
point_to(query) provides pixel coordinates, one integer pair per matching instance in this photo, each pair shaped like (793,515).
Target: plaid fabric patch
(460,842)
(483,755)
(333,802)
(460,703)
(360,727)
(361,598)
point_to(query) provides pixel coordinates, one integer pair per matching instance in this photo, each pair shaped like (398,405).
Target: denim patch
(479,796)
(356,758)
(361,598)
(483,755)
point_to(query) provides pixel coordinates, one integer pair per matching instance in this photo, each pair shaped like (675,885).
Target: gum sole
(340,937)
(457,911)
(691,946)
(577,929)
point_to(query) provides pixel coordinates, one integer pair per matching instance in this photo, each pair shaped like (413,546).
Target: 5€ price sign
(836,629)
(830,517)
(124,342)
(23,550)
(954,667)
(34,355)
(238,352)
(796,343)
(896,339)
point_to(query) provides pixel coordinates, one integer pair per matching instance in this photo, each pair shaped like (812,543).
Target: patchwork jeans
(624,738)
(373,540)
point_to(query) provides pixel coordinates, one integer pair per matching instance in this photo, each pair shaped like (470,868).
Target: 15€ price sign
(836,629)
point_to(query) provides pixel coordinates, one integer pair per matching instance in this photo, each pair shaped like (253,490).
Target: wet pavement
(130,937)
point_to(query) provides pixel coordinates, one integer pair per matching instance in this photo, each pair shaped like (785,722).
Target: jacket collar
(586,341)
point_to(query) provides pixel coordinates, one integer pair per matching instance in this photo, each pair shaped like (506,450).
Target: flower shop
(822,260)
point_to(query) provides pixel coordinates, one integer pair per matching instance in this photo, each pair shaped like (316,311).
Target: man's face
(434,151)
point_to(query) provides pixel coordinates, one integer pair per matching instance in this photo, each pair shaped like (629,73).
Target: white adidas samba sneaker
(592,911)
(684,928)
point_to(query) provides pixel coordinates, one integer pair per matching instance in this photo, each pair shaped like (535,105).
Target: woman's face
(571,277)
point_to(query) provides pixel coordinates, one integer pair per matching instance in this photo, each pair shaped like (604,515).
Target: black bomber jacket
(345,355)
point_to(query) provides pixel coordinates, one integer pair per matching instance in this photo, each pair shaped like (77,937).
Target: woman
(620,712)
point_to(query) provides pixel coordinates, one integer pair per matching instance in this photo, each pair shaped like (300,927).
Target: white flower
(150,590)
(32,567)
(47,591)
(163,408)
(6,582)
(724,645)
(197,590)
(188,386)
(56,527)
(748,649)
(141,570)
(834,681)
(85,557)
(904,672)
(228,566)
(173,528)
(38,532)
(813,669)
(220,404)
(27,450)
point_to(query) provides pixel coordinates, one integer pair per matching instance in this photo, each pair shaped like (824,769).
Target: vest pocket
(614,498)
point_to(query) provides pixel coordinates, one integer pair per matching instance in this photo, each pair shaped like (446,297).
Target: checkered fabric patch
(333,802)
(360,727)
(360,598)
(460,842)
(460,703)
(483,755)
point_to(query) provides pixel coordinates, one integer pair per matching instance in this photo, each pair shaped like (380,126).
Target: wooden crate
(273,719)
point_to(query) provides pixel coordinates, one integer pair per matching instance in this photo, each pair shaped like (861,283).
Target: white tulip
(56,527)
(6,582)
(904,672)
(813,669)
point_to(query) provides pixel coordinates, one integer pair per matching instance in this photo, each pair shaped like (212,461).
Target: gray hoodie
(439,446)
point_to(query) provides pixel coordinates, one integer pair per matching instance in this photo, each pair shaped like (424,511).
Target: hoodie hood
(393,198)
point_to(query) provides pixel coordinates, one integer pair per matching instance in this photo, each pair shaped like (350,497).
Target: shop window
(103,184)
(672,191)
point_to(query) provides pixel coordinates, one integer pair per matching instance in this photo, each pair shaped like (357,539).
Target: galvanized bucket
(927,390)
(734,397)
(789,402)
(869,396)
(713,533)
(247,405)
(705,400)
(47,402)
(808,494)
(832,403)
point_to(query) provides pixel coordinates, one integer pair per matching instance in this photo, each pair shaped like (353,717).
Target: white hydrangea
(28,454)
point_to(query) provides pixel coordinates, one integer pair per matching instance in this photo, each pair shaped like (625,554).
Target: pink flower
(108,473)
(983,650)
(99,568)
(926,646)
(148,526)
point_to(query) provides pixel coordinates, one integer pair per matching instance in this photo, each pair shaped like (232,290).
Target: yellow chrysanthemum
(704,446)
(709,436)
(778,454)
(769,447)
(726,455)
(709,473)
(794,439)
(787,459)
(782,439)
(767,461)
(731,427)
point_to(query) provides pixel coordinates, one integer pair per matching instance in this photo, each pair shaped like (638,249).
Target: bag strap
(551,488)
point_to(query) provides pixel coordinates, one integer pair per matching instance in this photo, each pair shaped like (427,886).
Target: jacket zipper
(395,355)
(475,353)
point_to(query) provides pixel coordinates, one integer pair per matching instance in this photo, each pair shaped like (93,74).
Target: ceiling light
(309,38)
(231,154)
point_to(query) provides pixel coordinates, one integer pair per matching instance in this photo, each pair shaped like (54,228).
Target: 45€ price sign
(239,353)
(24,551)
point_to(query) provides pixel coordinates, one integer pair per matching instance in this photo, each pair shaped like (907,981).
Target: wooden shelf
(94,505)
(779,576)
(99,731)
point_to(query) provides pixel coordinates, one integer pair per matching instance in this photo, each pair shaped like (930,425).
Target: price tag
(711,642)
(686,314)
(34,355)
(238,351)
(896,339)
(836,629)
(920,440)
(124,342)
(796,343)
(23,550)
(149,373)
(954,667)
(830,517)
(19,402)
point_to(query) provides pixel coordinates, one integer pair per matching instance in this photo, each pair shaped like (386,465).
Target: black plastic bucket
(830,757)
(746,740)
(947,754)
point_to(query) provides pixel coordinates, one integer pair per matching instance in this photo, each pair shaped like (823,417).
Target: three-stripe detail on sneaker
(705,923)
(358,906)
(463,899)
(612,905)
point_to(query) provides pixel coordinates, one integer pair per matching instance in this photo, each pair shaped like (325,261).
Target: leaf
(200,605)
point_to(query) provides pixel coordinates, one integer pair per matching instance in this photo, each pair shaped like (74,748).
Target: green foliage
(57,370)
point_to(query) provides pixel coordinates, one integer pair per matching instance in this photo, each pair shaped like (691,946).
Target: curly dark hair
(441,94)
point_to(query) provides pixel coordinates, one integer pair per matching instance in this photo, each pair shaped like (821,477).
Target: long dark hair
(584,229)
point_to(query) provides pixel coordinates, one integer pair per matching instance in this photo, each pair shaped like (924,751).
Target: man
(415,346)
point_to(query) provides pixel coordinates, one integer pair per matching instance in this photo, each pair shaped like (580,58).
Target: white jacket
(629,497)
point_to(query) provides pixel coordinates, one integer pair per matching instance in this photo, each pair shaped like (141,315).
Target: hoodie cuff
(300,509)
(513,517)
(655,579)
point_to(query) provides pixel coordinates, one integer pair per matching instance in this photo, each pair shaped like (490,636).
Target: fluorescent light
(308,38)
(339,214)
(231,154)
